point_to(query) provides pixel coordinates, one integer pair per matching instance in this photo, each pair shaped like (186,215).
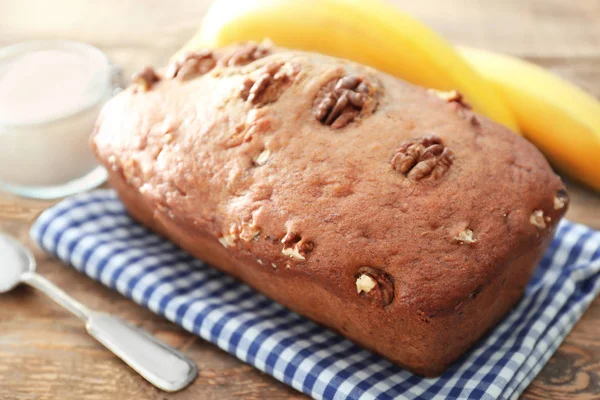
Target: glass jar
(51,93)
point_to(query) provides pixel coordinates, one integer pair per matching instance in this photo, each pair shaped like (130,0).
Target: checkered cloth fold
(93,232)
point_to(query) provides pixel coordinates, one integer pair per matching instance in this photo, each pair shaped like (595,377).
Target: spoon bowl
(15,262)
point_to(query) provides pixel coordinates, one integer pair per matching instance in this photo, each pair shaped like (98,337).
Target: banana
(375,34)
(559,118)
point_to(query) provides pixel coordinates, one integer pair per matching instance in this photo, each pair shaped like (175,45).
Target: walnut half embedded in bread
(402,219)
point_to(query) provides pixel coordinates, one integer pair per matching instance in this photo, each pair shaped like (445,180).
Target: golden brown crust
(439,208)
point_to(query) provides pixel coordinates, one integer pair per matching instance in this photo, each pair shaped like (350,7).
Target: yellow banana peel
(559,118)
(373,34)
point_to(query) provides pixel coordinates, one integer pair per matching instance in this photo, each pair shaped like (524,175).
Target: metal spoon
(160,364)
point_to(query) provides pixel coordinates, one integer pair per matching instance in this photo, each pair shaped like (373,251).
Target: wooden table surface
(45,352)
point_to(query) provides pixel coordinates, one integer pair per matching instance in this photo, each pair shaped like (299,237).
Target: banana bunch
(562,120)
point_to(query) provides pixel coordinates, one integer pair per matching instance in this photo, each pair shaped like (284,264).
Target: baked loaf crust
(389,213)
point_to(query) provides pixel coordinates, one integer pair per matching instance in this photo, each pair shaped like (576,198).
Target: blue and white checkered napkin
(93,232)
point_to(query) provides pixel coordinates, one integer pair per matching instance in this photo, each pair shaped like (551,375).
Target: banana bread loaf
(392,214)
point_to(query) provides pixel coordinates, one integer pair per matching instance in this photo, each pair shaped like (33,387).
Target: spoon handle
(161,365)
(56,294)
